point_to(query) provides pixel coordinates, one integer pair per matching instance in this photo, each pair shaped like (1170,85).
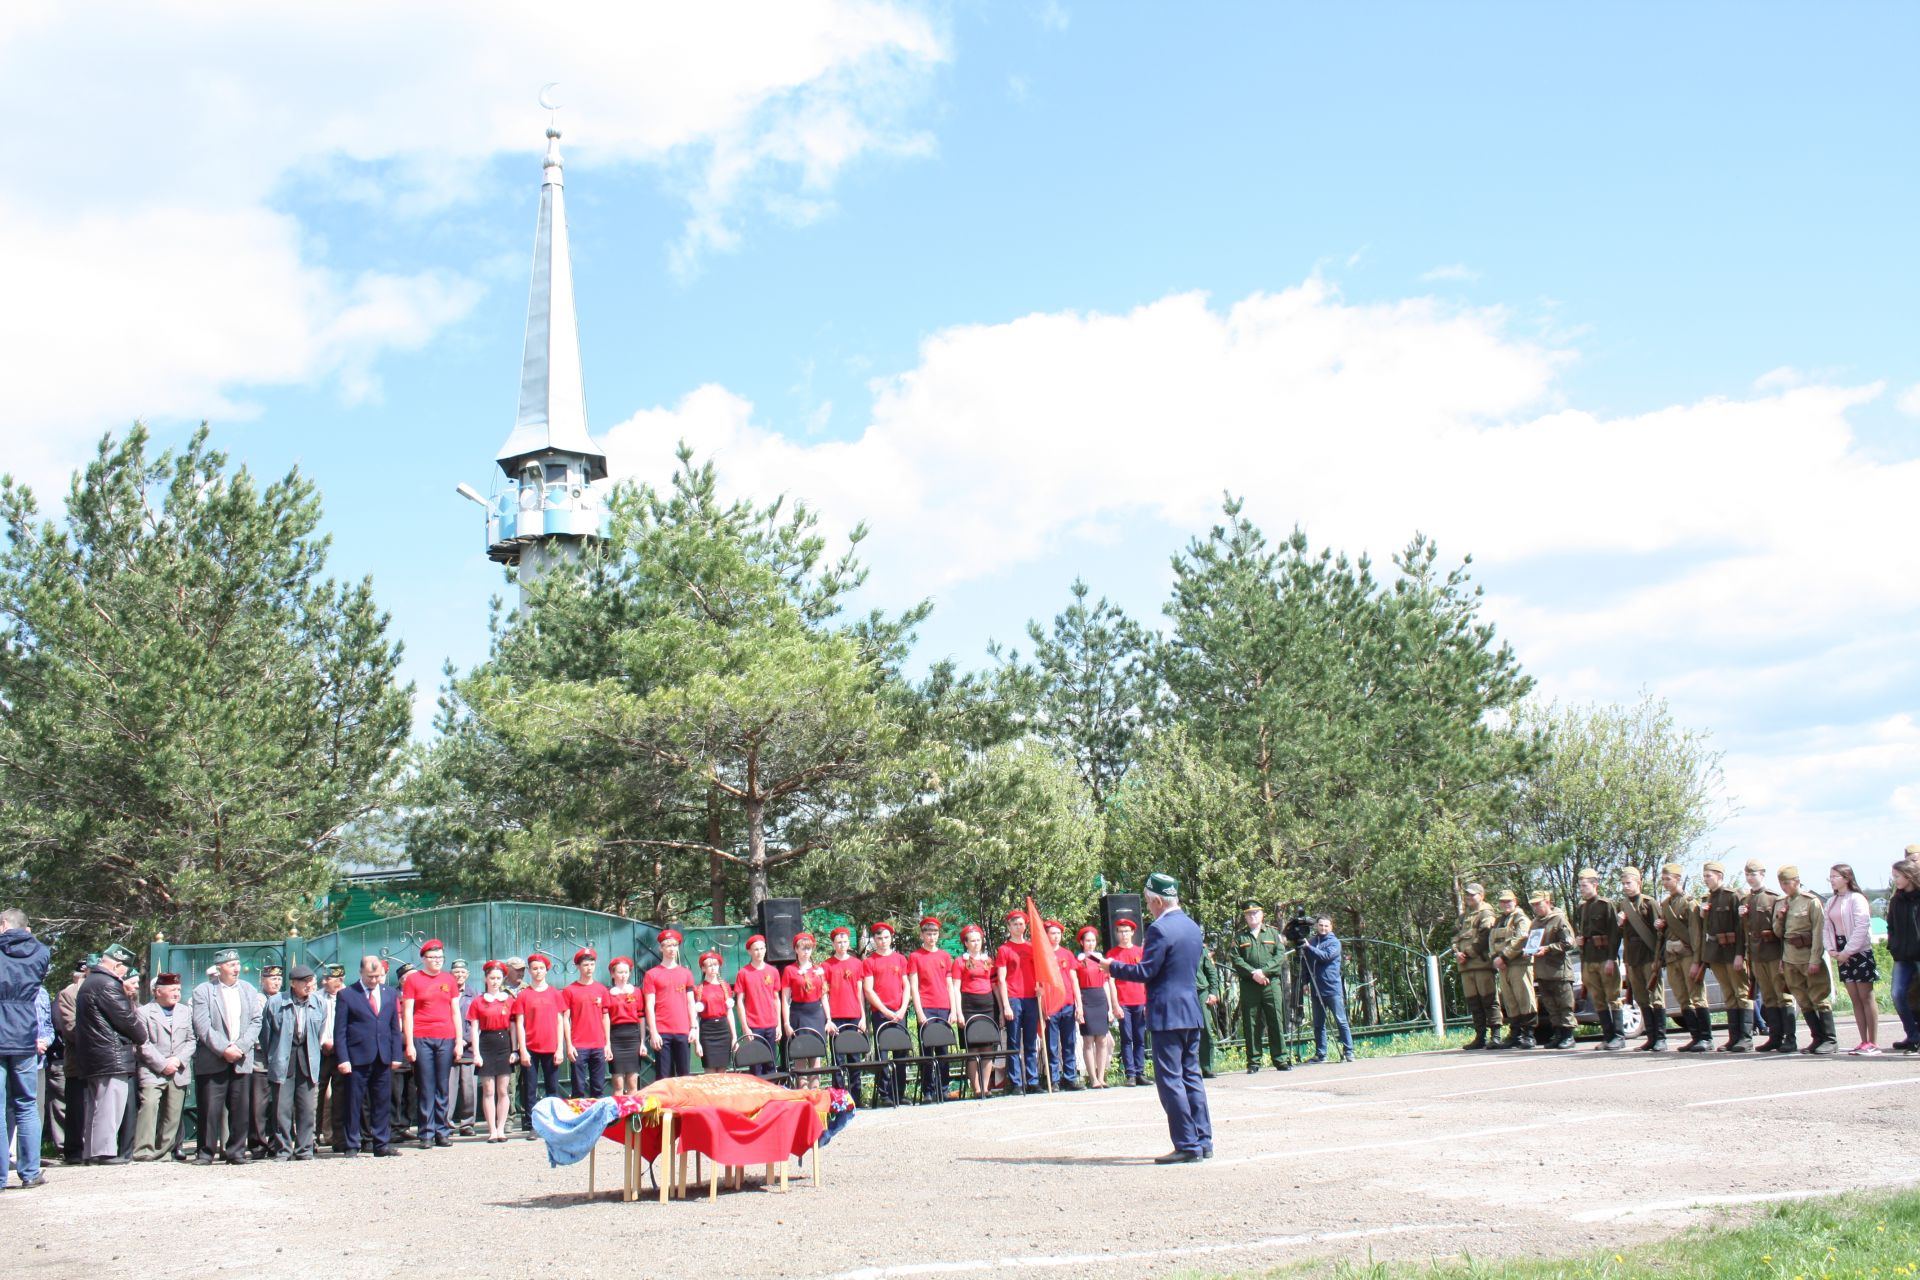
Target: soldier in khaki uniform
(1725,953)
(1552,970)
(1640,959)
(1596,926)
(1258,957)
(1763,959)
(1799,920)
(1679,925)
(1473,952)
(1515,967)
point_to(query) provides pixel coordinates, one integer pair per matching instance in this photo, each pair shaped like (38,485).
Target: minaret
(555,499)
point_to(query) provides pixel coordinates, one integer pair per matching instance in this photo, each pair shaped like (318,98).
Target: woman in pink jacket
(1850,943)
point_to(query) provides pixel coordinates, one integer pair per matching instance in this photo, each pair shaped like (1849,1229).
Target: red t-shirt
(1063,961)
(806,987)
(976,976)
(433,996)
(1016,958)
(492,1015)
(889,974)
(1132,994)
(1090,974)
(843,987)
(669,987)
(586,1001)
(541,1009)
(759,991)
(713,1000)
(930,970)
(624,1009)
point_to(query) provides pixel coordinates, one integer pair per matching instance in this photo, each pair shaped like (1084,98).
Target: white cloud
(152,198)
(1452,271)
(1909,403)
(1753,555)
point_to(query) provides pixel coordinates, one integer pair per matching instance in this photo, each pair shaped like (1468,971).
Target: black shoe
(426,1144)
(108,1160)
(204,1160)
(1206,1153)
(1070,1086)
(239,1159)
(1283,1066)
(466,1131)
(1177,1157)
(37,1180)
(442,1140)
(1317,1060)
(283,1155)
(385,1151)
(1253,1069)
(303,1155)
(347,1153)
(1206,1075)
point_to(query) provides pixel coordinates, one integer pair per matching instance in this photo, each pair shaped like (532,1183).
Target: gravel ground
(1429,1154)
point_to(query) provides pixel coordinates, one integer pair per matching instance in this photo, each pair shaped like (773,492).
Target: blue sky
(1619,300)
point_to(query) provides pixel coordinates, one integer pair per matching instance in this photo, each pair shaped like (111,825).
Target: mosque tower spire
(555,471)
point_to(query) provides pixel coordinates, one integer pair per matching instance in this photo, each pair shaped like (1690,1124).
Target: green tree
(196,721)
(1618,786)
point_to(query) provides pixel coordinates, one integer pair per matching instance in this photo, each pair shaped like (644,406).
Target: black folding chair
(979,1038)
(937,1043)
(806,1043)
(752,1052)
(851,1046)
(892,1050)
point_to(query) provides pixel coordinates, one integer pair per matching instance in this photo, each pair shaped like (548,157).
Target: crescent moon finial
(546,96)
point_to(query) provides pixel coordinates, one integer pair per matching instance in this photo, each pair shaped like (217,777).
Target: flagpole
(1046,1072)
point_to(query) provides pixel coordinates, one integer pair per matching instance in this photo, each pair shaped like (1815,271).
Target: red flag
(1046,966)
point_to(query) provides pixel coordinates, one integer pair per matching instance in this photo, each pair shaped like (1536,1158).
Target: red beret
(494,966)
(714,956)
(671,935)
(841,932)
(881,927)
(760,938)
(929,922)
(1088,931)
(972,929)
(432,944)
(804,936)
(621,960)
(1125,922)
(1055,924)
(585,953)
(541,956)
(1016,915)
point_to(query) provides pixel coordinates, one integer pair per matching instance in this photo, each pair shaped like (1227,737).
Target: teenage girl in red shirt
(626,1011)
(714,1003)
(1097,1002)
(490,1015)
(803,994)
(975,969)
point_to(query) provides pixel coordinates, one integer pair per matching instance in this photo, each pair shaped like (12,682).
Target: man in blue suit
(1170,966)
(366,1040)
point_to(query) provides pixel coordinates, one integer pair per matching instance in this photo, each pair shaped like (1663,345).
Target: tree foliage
(195,719)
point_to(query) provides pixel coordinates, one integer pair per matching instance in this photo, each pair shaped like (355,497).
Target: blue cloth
(1904,973)
(1183,1094)
(23,973)
(369,1085)
(1170,967)
(1023,1041)
(432,1071)
(1336,1005)
(1133,1043)
(1063,1036)
(588,1076)
(675,1057)
(19,1083)
(569,1135)
(1322,954)
(276,1036)
(43,1018)
(359,1035)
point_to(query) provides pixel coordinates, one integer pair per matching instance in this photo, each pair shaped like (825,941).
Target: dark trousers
(933,1075)
(76,1119)
(225,1099)
(1183,1095)
(340,1098)
(129,1117)
(433,1070)
(673,1057)
(324,1104)
(295,1107)
(771,1035)
(842,1060)
(370,1087)
(1063,1041)
(260,1116)
(1133,1040)
(53,1101)
(1023,1041)
(541,1080)
(589,1074)
(464,1092)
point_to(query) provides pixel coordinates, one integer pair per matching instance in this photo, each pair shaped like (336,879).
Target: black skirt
(624,1042)
(1094,1001)
(716,1045)
(810,1014)
(496,1054)
(1860,968)
(978,1004)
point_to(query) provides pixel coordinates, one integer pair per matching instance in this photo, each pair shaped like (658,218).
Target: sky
(1619,301)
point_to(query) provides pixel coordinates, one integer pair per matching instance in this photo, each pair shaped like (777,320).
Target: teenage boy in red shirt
(1063,1028)
(1133,1008)
(935,991)
(428,1026)
(537,1011)
(585,1028)
(886,983)
(1019,1006)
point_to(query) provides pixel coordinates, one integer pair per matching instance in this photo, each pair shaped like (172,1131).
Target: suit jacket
(167,1037)
(1170,966)
(210,1027)
(276,1035)
(359,1035)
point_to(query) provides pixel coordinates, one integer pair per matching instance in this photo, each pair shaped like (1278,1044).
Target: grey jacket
(167,1037)
(276,1036)
(210,1027)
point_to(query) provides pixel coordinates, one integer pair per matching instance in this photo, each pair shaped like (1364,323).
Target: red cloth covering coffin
(730,1118)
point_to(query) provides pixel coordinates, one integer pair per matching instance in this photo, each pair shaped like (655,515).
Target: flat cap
(272,971)
(1672,869)
(1474,886)
(1541,895)
(1789,872)
(301,973)
(1754,864)
(1719,868)
(118,953)
(226,956)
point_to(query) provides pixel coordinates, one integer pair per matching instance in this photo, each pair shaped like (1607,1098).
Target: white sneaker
(1868,1050)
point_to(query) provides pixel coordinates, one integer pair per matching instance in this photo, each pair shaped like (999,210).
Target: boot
(1525,1032)
(1656,1017)
(1478,1008)
(1495,1042)
(1739,1038)
(1826,1040)
(1772,1043)
(1697,1024)
(1610,1025)
(1783,1021)
(1562,1038)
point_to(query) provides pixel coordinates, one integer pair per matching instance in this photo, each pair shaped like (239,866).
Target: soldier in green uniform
(1724,952)
(1552,970)
(1210,989)
(1515,967)
(1679,926)
(1764,950)
(1259,959)
(1596,926)
(1473,953)
(1640,947)
(1799,920)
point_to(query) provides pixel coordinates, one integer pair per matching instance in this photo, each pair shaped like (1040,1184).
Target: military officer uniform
(1764,950)
(1799,920)
(1596,924)
(1680,931)
(1515,967)
(1553,970)
(1260,951)
(1724,952)
(1640,956)
(1210,985)
(1473,952)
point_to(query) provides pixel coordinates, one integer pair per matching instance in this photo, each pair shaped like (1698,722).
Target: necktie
(373,997)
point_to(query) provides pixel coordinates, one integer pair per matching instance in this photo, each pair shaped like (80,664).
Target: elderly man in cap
(429,1000)
(290,1044)
(106,1032)
(227,1011)
(273,980)
(166,1069)
(1170,968)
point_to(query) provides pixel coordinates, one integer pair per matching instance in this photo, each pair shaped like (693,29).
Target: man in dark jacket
(23,1039)
(1321,951)
(106,1029)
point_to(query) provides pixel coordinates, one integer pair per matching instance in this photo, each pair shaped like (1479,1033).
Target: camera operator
(1297,930)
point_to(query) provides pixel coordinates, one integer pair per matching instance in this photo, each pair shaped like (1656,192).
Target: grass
(1853,1237)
